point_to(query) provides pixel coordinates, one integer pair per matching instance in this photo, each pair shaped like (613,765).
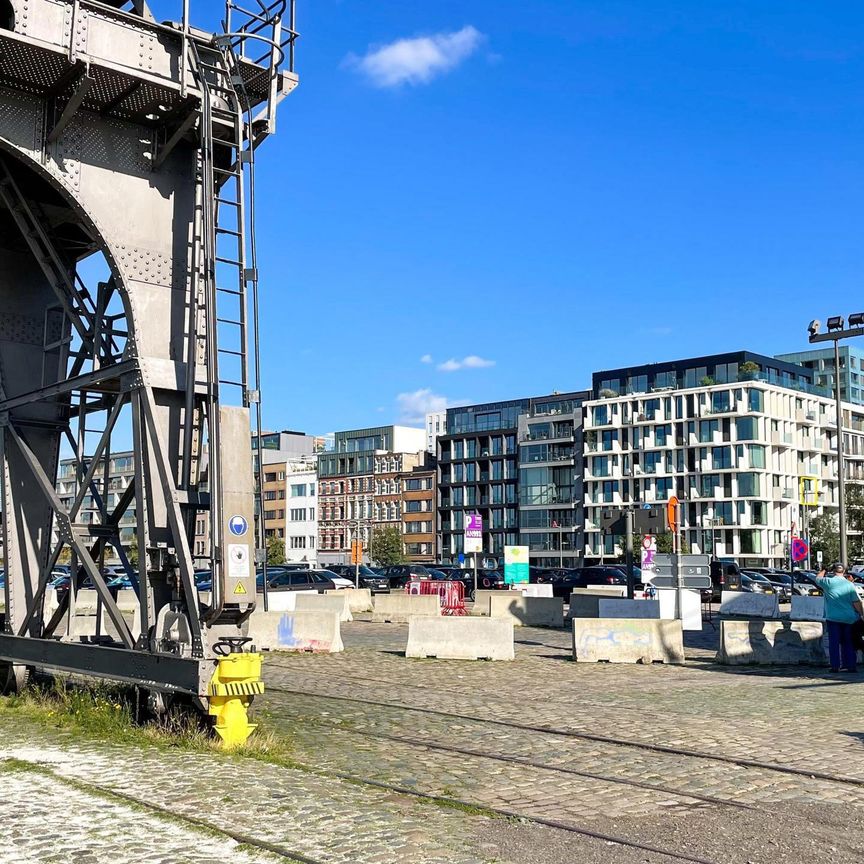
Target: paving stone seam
(586,736)
(172,815)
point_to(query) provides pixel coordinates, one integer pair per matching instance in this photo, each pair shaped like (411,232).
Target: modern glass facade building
(821,362)
(519,465)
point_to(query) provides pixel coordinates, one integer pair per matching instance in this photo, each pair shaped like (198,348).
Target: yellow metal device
(236,680)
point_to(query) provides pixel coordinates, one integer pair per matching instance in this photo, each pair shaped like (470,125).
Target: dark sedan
(302,580)
(375,582)
(584,577)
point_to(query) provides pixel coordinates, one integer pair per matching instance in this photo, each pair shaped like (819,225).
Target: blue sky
(547,189)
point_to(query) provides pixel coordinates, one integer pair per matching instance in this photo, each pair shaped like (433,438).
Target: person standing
(842,610)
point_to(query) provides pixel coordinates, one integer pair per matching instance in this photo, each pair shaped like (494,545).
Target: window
(270,477)
(270,495)
(298,490)
(298,514)
(748,485)
(707,428)
(298,542)
(751,542)
(757,455)
(721,457)
(746,428)
(269,514)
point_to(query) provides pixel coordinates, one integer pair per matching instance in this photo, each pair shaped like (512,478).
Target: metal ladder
(225,255)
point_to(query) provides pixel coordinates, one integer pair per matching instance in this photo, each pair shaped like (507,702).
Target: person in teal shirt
(842,610)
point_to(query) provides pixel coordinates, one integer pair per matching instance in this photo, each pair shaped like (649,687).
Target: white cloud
(419,60)
(426,358)
(413,407)
(472,361)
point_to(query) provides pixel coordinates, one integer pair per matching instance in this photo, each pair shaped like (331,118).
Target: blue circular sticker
(238,526)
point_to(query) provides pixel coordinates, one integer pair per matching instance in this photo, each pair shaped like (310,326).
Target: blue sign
(461,558)
(238,526)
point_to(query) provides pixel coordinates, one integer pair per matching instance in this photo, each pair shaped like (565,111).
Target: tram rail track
(743,762)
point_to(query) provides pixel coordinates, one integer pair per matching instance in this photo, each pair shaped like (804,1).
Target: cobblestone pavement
(325,808)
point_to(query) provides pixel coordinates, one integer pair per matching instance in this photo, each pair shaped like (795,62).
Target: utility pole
(837,330)
(841,480)
(628,551)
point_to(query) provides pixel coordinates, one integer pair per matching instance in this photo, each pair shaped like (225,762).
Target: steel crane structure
(133,140)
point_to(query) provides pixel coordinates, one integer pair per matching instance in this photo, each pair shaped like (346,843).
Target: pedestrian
(858,626)
(842,610)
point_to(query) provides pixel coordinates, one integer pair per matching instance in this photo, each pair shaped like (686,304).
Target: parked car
(805,579)
(755,584)
(582,577)
(369,578)
(121,582)
(398,575)
(799,588)
(302,580)
(781,588)
(338,581)
(725,576)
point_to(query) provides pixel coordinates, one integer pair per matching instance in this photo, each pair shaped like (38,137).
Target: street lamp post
(836,332)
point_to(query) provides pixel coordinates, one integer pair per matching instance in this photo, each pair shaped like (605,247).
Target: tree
(748,367)
(665,546)
(275,550)
(386,547)
(825,538)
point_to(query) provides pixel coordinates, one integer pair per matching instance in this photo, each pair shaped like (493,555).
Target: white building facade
(746,459)
(301,513)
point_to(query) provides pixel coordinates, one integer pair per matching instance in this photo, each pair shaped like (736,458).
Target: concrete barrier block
(746,605)
(529,590)
(397,608)
(527,611)
(89,625)
(690,606)
(807,609)
(317,631)
(771,643)
(627,640)
(584,605)
(614,607)
(460,638)
(359,599)
(87,598)
(608,590)
(337,602)
(481,601)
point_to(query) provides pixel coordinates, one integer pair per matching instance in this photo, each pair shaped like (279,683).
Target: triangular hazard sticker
(240,589)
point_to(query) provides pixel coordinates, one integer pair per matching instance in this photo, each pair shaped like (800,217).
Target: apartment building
(746,442)
(120,474)
(419,512)
(518,464)
(550,492)
(301,512)
(478,473)
(436,424)
(821,362)
(346,486)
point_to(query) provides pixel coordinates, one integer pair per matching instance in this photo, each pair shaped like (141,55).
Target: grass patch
(114,713)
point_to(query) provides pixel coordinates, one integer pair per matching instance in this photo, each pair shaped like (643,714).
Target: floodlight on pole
(856,319)
(835,322)
(814,327)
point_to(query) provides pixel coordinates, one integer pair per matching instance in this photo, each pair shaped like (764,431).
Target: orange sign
(356,551)
(672,514)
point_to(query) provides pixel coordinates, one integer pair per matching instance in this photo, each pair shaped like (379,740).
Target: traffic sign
(800,549)
(697,582)
(672,514)
(695,571)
